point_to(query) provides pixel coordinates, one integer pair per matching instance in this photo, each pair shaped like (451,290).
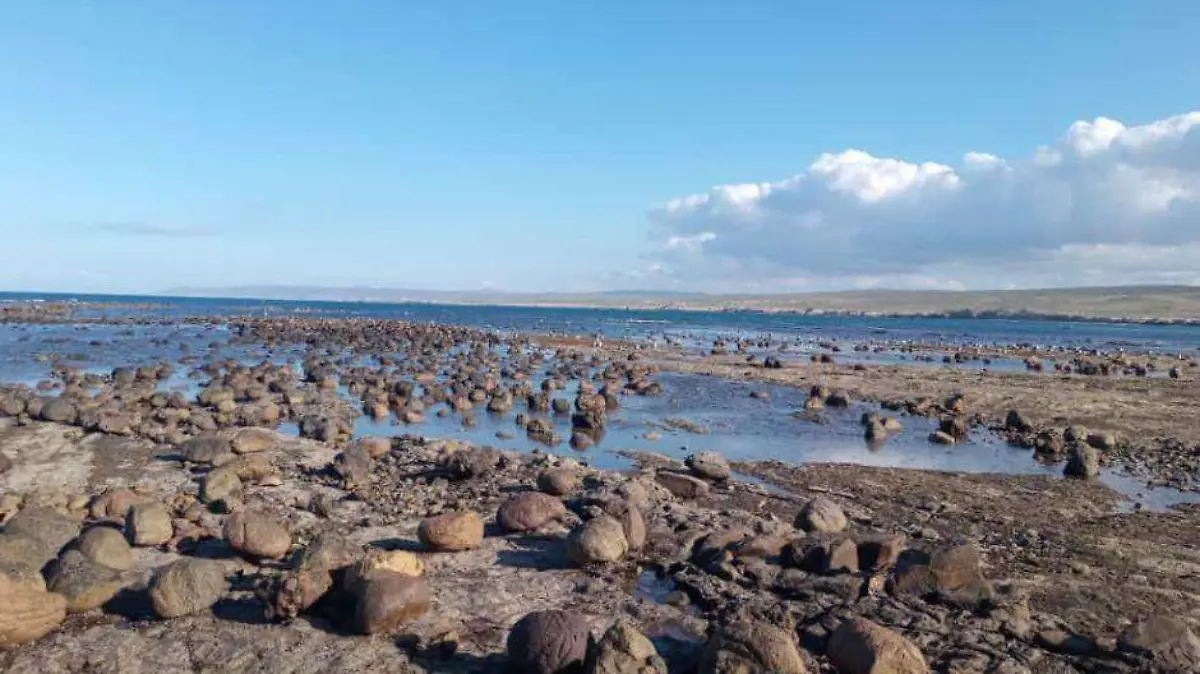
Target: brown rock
(149,524)
(253,440)
(257,535)
(106,546)
(859,646)
(745,647)
(558,481)
(821,514)
(387,600)
(451,532)
(549,642)
(187,586)
(624,650)
(85,584)
(600,540)
(682,486)
(28,614)
(211,450)
(1169,641)
(221,485)
(528,511)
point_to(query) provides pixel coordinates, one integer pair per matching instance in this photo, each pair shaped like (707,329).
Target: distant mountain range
(1138,303)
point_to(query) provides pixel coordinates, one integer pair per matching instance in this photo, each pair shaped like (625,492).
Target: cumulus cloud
(1105,203)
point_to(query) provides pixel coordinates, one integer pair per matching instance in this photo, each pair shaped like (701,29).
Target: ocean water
(738,426)
(697,326)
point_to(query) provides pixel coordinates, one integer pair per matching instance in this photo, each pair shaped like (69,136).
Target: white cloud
(1105,203)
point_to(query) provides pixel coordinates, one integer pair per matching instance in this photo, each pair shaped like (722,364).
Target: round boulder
(549,642)
(598,541)
(558,481)
(106,546)
(148,524)
(528,511)
(451,532)
(821,514)
(751,647)
(709,465)
(187,586)
(257,535)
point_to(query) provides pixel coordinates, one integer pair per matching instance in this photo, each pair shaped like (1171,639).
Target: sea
(740,426)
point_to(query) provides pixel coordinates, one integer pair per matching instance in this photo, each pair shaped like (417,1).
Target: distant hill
(1139,303)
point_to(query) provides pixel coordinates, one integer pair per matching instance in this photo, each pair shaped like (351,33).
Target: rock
(85,584)
(1084,462)
(311,576)
(472,463)
(528,511)
(252,440)
(821,514)
(212,450)
(451,532)
(59,411)
(221,485)
(558,481)
(377,447)
(106,546)
(22,559)
(386,600)
(354,465)
(942,438)
(1103,441)
(27,614)
(1015,421)
(400,562)
(257,535)
(956,567)
(879,552)
(186,587)
(1169,641)
(1061,641)
(631,521)
(114,504)
(682,486)
(251,468)
(6,463)
(549,642)
(46,526)
(600,540)
(749,647)
(859,646)
(708,465)
(624,650)
(149,524)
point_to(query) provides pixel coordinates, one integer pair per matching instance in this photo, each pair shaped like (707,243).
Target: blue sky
(536,145)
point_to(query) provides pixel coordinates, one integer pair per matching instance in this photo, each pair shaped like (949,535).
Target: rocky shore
(148,530)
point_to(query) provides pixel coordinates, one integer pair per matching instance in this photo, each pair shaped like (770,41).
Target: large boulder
(549,642)
(822,515)
(709,465)
(386,600)
(743,647)
(149,524)
(1168,641)
(44,525)
(27,614)
(598,541)
(451,532)
(558,481)
(187,586)
(257,535)
(1083,461)
(211,450)
(528,511)
(859,646)
(106,546)
(85,584)
(681,485)
(624,650)
(221,485)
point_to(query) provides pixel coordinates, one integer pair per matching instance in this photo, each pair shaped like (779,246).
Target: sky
(539,145)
